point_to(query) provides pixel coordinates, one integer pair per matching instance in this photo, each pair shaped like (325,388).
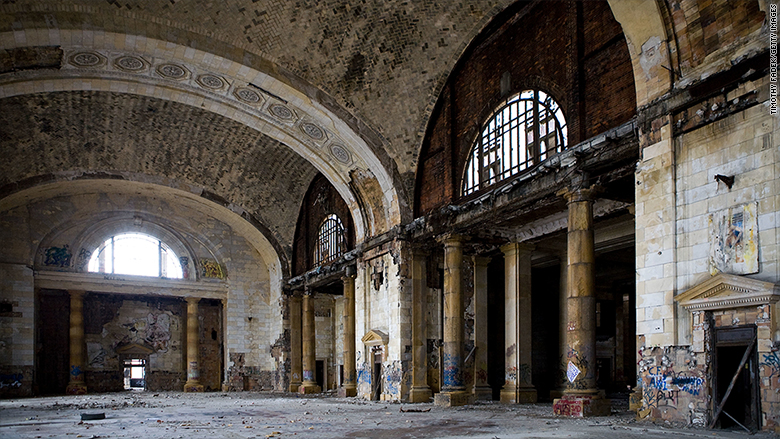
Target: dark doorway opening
(743,402)
(52,342)
(319,373)
(496,319)
(376,376)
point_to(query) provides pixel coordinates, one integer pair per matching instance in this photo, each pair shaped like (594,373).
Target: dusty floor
(261,415)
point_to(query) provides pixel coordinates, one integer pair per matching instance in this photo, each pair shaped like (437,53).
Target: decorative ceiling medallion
(85,59)
(172,71)
(313,131)
(130,63)
(247,95)
(281,112)
(211,81)
(340,153)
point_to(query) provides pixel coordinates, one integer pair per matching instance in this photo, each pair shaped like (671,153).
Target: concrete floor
(261,415)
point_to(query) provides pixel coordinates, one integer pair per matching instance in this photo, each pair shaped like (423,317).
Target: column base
(347,392)
(76,389)
(420,394)
(483,393)
(520,396)
(581,406)
(193,387)
(294,386)
(453,399)
(635,399)
(307,388)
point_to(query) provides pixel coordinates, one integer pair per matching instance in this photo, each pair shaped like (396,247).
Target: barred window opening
(525,130)
(331,241)
(135,254)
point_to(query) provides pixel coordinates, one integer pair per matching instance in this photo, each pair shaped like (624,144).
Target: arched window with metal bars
(331,241)
(522,132)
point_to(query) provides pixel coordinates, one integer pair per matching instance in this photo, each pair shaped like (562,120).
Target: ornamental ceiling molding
(728,291)
(164,70)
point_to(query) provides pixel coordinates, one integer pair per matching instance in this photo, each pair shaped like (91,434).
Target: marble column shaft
(581,303)
(420,392)
(309,343)
(76,384)
(349,386)
(296,367)
(518,387)
(193,352)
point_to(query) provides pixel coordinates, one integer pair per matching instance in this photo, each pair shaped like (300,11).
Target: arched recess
(88,211)
(643,26)
(254,98)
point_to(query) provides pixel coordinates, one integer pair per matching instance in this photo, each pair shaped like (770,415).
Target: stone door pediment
(727,291)
(134,348)
(375,337)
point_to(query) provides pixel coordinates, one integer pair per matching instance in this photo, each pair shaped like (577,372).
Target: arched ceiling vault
(348,86)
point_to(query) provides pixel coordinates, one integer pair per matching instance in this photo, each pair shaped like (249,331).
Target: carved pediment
(134,348)
(727,291)
(375,337)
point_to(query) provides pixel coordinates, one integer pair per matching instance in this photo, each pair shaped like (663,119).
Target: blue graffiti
(772,361)
(691,385)
(11,381)
(364,377)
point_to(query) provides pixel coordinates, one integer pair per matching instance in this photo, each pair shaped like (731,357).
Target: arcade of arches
(557,201)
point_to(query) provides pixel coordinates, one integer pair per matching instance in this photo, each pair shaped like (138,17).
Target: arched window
(135,254)
(525,130)
(331,241)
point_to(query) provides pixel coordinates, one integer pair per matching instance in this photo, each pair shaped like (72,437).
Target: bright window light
(135,254)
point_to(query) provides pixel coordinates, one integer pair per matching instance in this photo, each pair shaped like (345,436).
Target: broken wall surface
(17,334)
(706,202)
(383,303)
(62,231)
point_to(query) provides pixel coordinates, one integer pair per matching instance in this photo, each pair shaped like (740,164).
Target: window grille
(525,130)
(331,241)
(135,254)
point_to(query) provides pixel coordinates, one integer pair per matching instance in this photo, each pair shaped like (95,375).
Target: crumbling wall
(16,330)
(116,322)
(676,385)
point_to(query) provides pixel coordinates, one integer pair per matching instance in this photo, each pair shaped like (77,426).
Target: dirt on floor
(273,415)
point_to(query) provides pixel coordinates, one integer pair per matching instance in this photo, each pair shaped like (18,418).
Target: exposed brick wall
(574,51)
(320,200)
(702,28)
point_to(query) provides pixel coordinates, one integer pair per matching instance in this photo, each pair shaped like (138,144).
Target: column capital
(481,260)
(517,247)
(452,239)
(77,293)
(310,292)
(573,195)
(194,300)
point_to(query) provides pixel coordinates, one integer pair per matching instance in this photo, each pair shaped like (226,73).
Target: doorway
(742,405)
(135,374)
(376,374)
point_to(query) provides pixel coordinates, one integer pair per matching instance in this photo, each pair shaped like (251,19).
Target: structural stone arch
(160,69)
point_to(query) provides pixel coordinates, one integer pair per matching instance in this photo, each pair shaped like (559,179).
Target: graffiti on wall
(11,381)
(734,241)
(57,256)
(772,362)
(211,269)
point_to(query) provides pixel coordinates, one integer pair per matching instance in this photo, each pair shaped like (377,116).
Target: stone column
(518,387)
(420,392)
(296,370)
(76,384)
(453,392)
(581,397)
(309,384)
(349,386)
(482,390)
(193,374)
